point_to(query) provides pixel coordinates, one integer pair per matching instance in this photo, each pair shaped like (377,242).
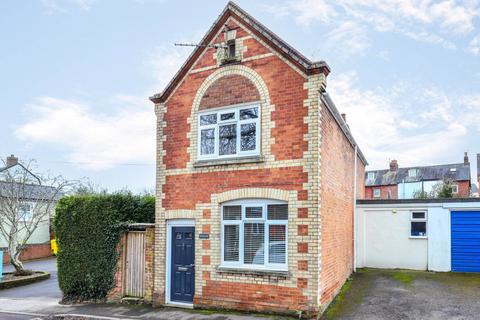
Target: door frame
(170,225)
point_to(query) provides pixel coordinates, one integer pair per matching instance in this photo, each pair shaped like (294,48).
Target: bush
(88,229)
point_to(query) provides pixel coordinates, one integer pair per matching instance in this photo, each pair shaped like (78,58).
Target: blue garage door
(466,241)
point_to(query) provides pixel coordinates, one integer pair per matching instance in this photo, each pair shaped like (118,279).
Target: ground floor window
(418,224)
(254,234)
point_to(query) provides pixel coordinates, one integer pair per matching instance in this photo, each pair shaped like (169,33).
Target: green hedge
(88,228)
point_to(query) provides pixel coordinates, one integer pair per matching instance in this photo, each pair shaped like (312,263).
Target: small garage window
(418,224)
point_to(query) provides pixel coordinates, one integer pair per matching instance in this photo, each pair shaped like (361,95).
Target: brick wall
(337,201)
(33,251)
(463,189)
(384,192)
(289,145)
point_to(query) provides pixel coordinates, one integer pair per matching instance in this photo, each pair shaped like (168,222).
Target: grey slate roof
(455,172)
(28,191)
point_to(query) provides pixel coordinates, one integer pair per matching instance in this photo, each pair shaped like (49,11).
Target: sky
(75,77)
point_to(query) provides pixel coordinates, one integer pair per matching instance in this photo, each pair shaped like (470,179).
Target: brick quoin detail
(206,244)
(302,213)
(302,283)
(302,265)
(206,260)
(302,247)
(207,214)
(303,230)
(229,90)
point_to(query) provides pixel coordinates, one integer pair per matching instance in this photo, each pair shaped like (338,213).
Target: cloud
(91,139)
(309,11)
(474,46)
(420,20)
(61,6)
(349,38)
(420,131)
(164,61)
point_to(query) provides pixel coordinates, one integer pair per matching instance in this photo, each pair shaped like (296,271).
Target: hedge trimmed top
(88,229)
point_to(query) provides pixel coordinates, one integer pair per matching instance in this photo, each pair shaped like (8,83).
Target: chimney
(344,116)
(12,160)
(465,159)
(393,165)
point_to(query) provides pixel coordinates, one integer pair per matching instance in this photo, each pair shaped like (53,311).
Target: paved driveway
(392,294)
(44,289)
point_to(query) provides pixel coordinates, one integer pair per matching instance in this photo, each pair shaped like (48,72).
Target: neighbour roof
(325,97)
(28,191)
(455,172)
(233,10)
(23,167)
(415,201)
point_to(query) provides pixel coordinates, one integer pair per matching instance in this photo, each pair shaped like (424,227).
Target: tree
(445,190)
(27,199)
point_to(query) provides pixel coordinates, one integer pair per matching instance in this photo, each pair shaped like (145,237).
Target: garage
(465,234)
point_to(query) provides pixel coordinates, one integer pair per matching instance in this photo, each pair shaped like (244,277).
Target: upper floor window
(254,234)
(412,173)
(232,132)
(376,193)
(454,188)
(371,176)
(26,211)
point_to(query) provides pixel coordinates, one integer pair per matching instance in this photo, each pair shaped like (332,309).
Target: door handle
(182,269)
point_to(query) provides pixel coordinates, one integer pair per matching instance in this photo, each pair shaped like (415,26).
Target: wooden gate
(135,264)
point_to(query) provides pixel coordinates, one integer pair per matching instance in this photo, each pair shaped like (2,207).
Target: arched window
(254,234)
(229,132)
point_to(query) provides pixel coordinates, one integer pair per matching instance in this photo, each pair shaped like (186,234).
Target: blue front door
(182,284)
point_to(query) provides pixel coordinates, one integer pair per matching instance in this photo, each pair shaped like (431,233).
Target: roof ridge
(281,46)
(416,167)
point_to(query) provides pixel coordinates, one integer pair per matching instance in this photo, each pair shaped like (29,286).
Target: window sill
(418,237)
(256,272)
(227,161)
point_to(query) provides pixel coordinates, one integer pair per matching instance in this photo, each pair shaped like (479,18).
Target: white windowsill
(418,237)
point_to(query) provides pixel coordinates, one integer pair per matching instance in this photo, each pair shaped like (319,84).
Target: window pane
(251,113)
(208,119)
(231,243)
(248,134)
(254,243)
(419,228)
(277,212)
(418,215)
(228,139)
(227,116)
(207,141)
(232,212)
(276,243)
(253,212)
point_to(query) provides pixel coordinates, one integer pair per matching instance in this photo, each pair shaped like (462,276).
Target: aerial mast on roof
(226,28)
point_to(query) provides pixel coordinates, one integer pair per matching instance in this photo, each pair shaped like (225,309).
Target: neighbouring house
(405,183)
(257,176)
(38,246)
(419,234)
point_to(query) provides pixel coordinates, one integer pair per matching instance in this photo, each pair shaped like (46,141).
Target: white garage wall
(438,230)
(384,240)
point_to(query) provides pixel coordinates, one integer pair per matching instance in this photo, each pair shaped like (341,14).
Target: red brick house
(403,183)
(255,177)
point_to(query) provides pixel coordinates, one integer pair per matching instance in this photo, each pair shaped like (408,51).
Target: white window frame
(379,193)
(370,175)
(425,219)
(236,120)
(30,206)
(415,171)
(267,223)
(455,188)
